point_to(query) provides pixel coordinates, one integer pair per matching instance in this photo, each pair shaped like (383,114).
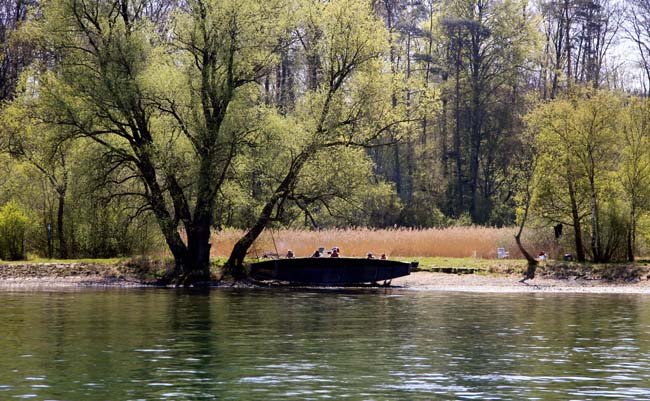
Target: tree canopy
(185,117)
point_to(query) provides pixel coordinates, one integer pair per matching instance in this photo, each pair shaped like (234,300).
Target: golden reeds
(479,242)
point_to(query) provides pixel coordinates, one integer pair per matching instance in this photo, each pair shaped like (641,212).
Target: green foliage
(483,48)
(139,126)
(13,227)
(465,220)
(591,170)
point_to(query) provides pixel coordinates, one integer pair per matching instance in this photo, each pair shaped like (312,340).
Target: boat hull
(329,270)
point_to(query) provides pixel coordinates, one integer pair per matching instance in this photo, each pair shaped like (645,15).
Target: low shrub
(13,226)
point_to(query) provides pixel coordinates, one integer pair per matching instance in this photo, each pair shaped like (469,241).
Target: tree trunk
(235,265)
(196,270)
(473,180)
(397,172)
(197,267)
(577,235)
(459,192)
(191,261)
(577,227)
(631,234)
(532,263)
(63,247)
(568,41)
(596,247)
(476,120)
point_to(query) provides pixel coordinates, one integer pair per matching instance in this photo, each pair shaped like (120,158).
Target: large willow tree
(162,101)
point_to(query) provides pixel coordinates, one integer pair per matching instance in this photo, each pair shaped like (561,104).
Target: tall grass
(479,242)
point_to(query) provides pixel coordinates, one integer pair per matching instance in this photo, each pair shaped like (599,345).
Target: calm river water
(303,345)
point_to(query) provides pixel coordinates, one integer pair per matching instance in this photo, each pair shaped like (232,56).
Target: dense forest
(126,121)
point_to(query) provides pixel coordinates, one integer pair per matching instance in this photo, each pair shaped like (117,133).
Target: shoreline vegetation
(433,273)
(456,242)
(131,126)
(450,259)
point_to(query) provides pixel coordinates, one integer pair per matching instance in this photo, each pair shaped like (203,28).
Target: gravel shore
(511,283)
(61,275)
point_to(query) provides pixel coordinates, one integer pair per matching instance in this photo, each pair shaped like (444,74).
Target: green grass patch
(486,265)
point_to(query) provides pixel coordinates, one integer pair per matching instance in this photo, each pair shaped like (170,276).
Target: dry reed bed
(479,242)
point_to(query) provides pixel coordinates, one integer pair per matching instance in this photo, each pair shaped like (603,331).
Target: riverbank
(497,277)
(511,283)
(109,273)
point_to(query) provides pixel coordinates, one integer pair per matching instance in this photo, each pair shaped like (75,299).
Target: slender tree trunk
(397,172)
(60,229)
(397,163)
(460,196)
(235,265)
(577,226)
(558,56)
(558,51)
(473,180)
(544,70)
(409,142)
(567,27)
(532,262)
(476,120)
(631,233)
(475,153)
(596,248)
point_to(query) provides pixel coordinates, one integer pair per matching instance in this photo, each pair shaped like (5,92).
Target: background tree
(34,143)
(14,56)
(560,197)
(635,165)
(638,31)
(485,58)
(578,142)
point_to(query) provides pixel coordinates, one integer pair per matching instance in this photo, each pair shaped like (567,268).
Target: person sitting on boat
(316,254)
(383,256)
(370,255)
(335,253)
(290,254)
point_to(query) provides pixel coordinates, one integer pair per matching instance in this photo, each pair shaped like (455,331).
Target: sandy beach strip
(419,281)
(425,281)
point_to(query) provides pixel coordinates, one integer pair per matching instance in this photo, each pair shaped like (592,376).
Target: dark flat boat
(327,270)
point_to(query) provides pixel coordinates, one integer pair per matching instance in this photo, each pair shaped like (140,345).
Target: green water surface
(265,344)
